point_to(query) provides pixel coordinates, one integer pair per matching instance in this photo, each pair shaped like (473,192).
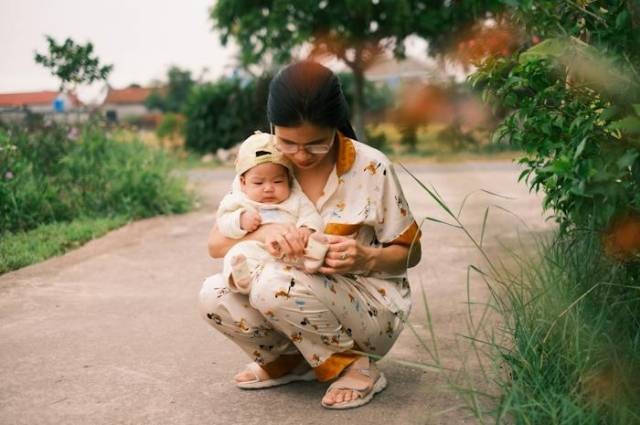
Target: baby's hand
(250,221)
(303,234)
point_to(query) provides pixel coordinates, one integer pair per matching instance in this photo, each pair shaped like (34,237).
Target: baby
(264,192)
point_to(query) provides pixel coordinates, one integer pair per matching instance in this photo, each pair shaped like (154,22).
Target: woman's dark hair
(308,91)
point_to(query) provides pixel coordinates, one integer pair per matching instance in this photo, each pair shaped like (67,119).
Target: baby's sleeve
(395,224)
(228,216)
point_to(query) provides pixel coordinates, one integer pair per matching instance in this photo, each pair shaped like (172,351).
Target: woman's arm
(392,259)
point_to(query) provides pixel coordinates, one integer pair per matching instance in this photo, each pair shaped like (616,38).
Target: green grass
(575,320)
(567,346)
(25,248)
(58,191)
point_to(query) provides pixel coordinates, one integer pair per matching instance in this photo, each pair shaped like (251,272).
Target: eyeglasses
(312,148)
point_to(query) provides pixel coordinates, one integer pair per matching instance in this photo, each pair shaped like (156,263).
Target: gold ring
(344,256)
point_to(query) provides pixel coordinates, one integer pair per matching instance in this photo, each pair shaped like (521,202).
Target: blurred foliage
(611,26)
(379,96)
(224,113)
(173,96)
(357,32)
(59,173)
(72,63)
(575,108)
(171,126)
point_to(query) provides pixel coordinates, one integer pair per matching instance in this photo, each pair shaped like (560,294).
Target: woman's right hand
(282,240)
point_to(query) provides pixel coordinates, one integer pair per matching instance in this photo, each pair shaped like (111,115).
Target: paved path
(110,334)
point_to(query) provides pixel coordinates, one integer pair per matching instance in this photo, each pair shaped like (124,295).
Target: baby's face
(267,183)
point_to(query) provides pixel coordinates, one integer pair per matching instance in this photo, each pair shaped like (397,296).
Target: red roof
(128,95)
(33,98)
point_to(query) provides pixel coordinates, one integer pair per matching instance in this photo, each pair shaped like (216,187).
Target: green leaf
(629,124)
(609,113)
(580,148)
(636,108)
(622,19)
(627,159)
(549,48)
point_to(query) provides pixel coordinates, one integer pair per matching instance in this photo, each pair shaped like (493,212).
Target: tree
(173,97)
(222,114)
(73,63)
(354,31)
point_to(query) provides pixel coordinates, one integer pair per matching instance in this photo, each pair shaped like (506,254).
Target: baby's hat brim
(257,149)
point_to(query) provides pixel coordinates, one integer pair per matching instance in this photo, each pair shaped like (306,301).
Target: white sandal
(259,382)
(365,391)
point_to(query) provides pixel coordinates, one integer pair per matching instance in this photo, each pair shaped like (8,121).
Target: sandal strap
(259,373)
(347,383)
(350,383)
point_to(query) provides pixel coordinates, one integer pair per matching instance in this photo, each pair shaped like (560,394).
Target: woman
(298,326)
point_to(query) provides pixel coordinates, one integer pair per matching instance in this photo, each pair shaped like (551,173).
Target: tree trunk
(359,103)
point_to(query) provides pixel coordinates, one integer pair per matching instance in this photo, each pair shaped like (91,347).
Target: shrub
(49,177)
(579,146)
(222,114)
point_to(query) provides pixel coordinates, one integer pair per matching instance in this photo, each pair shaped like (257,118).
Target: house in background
(394,72)
(50,104)
(126,104)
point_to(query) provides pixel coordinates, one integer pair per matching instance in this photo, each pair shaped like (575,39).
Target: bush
(171,126)
(49,175)
(222,114)
(576,149)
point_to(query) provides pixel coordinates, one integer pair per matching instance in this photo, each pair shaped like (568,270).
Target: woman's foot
(361,380)
(254,372)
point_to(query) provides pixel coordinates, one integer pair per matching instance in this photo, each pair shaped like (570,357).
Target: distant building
(39,102)
(51,105)
(126,103)
(394,72)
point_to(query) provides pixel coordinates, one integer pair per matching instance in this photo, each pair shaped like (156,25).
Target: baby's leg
(241,264)
(240,274)
(315,251)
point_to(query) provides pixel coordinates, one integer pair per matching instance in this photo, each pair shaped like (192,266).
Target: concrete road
(110,333)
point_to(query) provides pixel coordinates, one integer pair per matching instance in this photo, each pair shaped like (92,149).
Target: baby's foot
(315,251)
(240,278)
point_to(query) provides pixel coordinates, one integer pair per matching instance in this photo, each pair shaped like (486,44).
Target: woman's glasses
(312,148)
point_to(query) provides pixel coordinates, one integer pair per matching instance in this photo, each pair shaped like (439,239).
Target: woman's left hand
(345,255)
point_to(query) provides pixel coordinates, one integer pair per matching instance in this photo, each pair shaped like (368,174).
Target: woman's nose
(302,154)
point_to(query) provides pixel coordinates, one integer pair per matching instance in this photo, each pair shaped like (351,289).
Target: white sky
(141,38)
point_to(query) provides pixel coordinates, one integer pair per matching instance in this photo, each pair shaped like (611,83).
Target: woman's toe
(244,376)
(328,399)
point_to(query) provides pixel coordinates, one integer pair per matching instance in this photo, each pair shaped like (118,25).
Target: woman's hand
(282,240)
(345,255)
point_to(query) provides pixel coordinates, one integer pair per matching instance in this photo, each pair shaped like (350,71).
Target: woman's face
(305,135)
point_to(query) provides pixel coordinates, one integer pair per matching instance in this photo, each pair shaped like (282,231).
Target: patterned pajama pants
(289,312)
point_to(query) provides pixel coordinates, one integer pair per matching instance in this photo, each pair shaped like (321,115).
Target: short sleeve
(395,223)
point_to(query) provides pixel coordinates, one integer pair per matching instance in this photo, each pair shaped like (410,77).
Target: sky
(141,38)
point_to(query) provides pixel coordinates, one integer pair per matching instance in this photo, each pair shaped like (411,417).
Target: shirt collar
(346,154)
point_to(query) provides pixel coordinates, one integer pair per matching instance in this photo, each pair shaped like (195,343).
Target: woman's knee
(210,297)
(271,288)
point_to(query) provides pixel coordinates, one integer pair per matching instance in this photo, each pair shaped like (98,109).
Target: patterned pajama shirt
(320,316)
